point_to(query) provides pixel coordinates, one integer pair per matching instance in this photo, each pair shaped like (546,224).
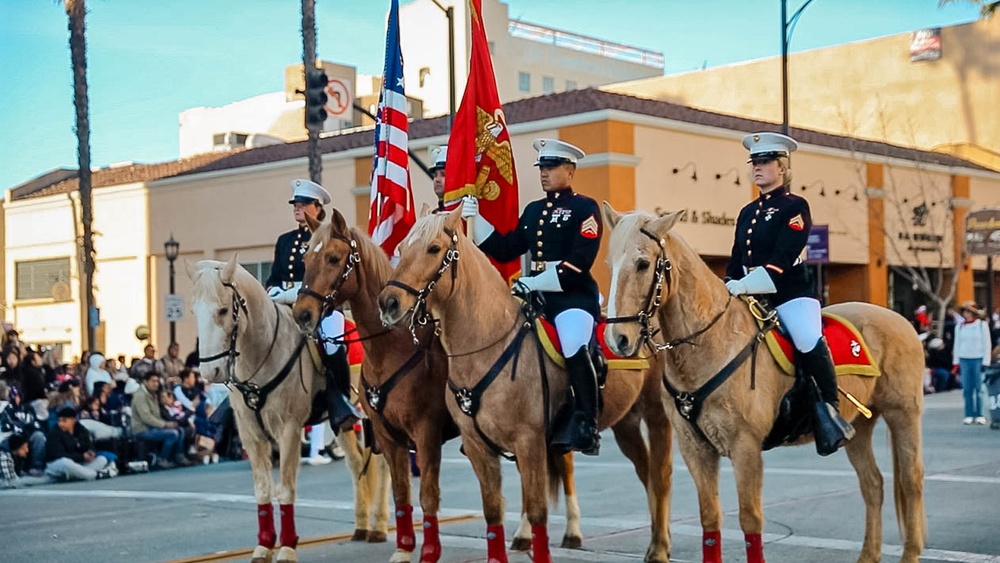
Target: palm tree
(987,7)
(309,63)
(77,10)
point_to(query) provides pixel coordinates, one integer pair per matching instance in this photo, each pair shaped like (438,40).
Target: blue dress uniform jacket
(564,227)
(771,232)
(288,267)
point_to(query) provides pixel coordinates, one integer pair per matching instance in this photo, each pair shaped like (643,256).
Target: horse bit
(418,313)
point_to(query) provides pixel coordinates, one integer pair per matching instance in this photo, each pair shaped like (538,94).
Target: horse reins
(354,258)
(418,312)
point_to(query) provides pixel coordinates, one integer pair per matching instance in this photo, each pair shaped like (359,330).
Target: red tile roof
(521,111)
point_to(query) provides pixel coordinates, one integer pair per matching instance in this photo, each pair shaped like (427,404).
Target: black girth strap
(377,395)
(255,397)
(469,399)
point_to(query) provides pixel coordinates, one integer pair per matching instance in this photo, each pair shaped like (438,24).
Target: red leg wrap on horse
(265,526)
(711,547)
(496,547)
(755,548)
(540,544)
(288,536)
(405,536)
(431,551)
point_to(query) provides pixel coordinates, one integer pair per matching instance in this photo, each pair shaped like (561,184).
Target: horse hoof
(376,537)
(400,556)
(520,544)
(286,555)
(261,554)
(360,535)
(571,542)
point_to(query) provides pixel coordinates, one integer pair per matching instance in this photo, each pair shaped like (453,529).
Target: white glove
(736,287)
(545,281)
(470,207)
(756,282)
(287,296)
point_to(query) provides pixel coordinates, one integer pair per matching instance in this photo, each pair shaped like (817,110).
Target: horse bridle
(238,304)
(654,298)
(353,259)
(418,312)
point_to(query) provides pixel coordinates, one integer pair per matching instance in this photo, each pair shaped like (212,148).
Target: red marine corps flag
(391,214)
(480,159)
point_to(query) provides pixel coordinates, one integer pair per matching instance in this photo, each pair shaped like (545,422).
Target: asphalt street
(813,509)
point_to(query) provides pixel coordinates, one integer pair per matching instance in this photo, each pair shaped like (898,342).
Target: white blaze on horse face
(318,247)
(212,339)
(616,269)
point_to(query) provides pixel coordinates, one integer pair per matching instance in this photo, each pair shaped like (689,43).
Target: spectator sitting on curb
(17,451)
(147,363)
(149,426)
(16,419)
(71,453)
(172,362)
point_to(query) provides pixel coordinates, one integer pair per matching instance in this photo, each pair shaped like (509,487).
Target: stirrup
(831,432)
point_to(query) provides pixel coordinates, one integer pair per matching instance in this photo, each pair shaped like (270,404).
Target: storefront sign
(703,217)
(982,232)
(818,245)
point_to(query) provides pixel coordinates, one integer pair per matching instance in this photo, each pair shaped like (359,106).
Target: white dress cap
(307,191)
(553,152)
(440,158)
(764,147)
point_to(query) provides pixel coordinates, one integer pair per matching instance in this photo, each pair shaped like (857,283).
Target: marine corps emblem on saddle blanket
(848,348)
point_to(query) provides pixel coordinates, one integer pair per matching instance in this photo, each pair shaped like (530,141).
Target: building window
(218,139)
(524,82)
(240,139)
(548,84)
(42,279)
(259,270)
(571,85)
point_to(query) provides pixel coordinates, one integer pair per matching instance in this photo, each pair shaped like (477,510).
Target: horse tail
(559,473)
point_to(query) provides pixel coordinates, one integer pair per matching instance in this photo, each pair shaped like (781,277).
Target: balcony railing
(585,44)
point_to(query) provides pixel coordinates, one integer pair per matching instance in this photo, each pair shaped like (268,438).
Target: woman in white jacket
(970,354)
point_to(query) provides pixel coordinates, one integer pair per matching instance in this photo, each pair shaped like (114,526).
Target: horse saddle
(850,357)
(550,343)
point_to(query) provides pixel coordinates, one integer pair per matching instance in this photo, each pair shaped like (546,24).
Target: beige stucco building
(868,89)
(643,154)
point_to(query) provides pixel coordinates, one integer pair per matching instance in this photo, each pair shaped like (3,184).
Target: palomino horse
(252,345)
(483,330)
(345,266)
(658,278)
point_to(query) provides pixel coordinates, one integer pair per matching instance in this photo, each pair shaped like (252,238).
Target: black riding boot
(831,430)
(580,433)
(338,391)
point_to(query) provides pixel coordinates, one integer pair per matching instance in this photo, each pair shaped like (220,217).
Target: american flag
(391,214)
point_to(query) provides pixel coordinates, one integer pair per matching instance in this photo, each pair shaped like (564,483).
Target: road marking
(789,471)
(452,515)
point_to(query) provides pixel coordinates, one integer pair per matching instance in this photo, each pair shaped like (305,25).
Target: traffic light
(316,82)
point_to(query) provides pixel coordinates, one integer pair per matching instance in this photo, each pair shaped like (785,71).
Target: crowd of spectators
(90,419)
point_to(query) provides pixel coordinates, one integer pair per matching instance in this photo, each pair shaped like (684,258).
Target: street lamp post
(172,247)
(449,12)
(787,29)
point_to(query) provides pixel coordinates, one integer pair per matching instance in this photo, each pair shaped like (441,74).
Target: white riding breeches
(317,439)
(575,328)
(332,326)
(802,320)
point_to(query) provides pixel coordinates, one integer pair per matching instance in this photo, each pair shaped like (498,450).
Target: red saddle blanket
(550,342)
(850,353)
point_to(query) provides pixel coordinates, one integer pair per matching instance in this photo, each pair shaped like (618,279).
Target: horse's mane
(372,255)
(213,283)
(425,227)
(685,257)
(627,230)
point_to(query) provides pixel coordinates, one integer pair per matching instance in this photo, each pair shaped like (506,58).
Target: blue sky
(151,59)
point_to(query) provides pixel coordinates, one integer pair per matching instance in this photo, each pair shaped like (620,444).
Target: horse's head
(217,306)
(640,263)
(332,256)
(422,277)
